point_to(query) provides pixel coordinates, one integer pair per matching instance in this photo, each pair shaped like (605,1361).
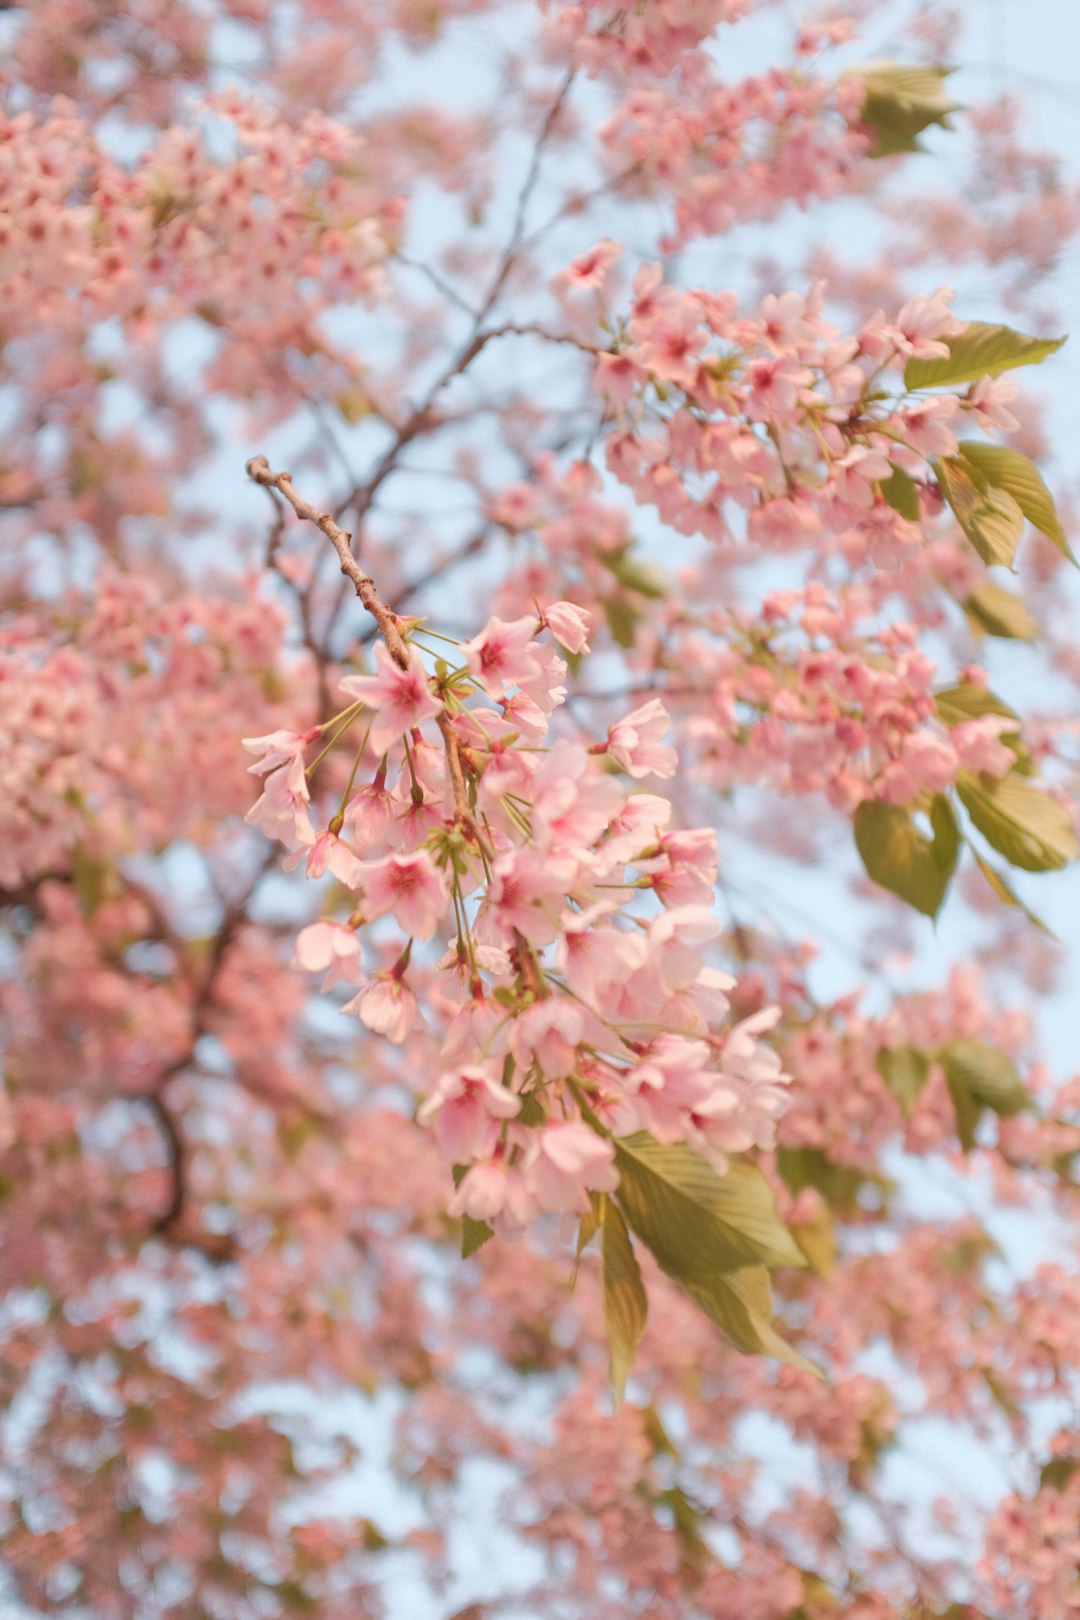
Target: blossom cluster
(780,416)
(81,233)
(575,1013)
(806,696)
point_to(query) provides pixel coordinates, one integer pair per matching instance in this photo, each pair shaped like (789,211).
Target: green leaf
(1006,895)
(969,701)
(987,1073)
(660,1442)
(946,831)
(1021,822)
(839,1184)
(625,1304)
(899,102)
(354,405)
(979,1077)
(92,879)
(474,1234)
(999,1394)
(687,1519)
(1057,1472)
(1008,470)
(817,1240)
(740,1303)
(901,858)
(637,573)
(707,1231)
(994,611)
(695,1221)
(905,1070)
(990,517)
(967,1113)
(589,1223)
(902,493)
(980,350)
(622,620)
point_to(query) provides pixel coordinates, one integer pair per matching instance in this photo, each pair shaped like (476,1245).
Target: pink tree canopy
(528,598)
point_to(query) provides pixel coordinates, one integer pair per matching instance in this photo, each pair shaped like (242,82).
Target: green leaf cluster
(899,102)
(903,859)
(716,1235)
(979,1078)
(980,350)
(1019,820)
(992,490)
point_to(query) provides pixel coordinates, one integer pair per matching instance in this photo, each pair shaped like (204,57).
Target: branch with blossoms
(582,1057)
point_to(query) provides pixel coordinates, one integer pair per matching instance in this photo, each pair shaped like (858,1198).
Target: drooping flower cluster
(574,1013)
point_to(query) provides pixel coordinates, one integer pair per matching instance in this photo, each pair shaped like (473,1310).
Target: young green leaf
(817,1240)
(474,1234)
(902,493)
(839,1184)
(1008,470)
(967,1112)
(946,829)
(905,1070)
(1021,822)
(986,1075)
(901,858)
(589,1224)
(1007,895)
(991,518)
(1057,1473)
(695,1221)
(740,1303)
(969,701)
(622,620)
(637,573)
(899,102)
(994,611)
(980,350)
(625,1304)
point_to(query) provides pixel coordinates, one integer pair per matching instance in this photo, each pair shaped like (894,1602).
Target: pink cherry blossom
(409,885)
(466,1107)
(634,742)
(565,1162)
(400,698)
(569,624)
(588,271)
(386,1006)
(503,654)
(330,948)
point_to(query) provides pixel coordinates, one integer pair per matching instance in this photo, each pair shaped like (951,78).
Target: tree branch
(258,468)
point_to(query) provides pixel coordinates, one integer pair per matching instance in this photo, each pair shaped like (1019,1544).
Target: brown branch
(258,468)
(177,1162)
(465,818)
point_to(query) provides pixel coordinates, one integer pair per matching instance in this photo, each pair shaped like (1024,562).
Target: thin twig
(258,468)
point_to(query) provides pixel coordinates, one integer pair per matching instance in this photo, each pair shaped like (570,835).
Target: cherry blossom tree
(477,625)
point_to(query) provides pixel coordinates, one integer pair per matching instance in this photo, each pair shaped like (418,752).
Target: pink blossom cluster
(651,42)
(575,1015)
(796,693)
(81,234)
(78,784)
(771,414)
(734,153)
